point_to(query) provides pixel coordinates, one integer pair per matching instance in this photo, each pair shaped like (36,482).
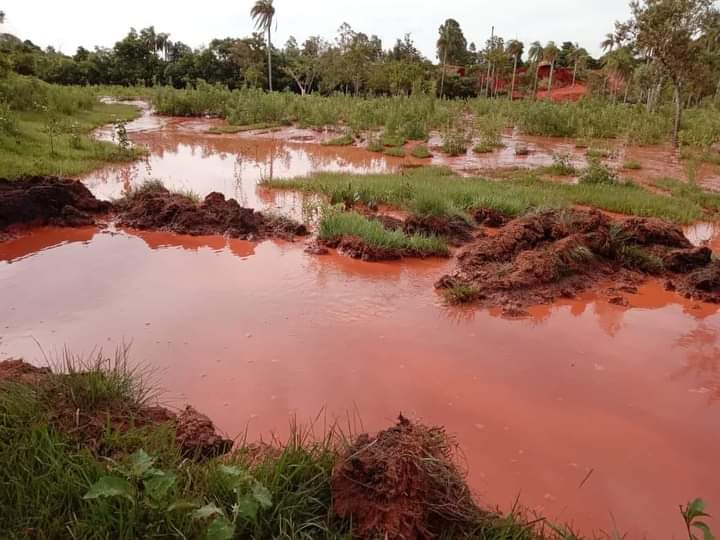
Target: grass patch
(345,139)
(335,225)
(460,294)
(228,129)
(562,166)
(27,149)
(394,152)
(632,165)
(420,151)
(598,153)
(523,193)
(392,139)
(482,148)
(691,192)
(597,173)
(375,145)
(454,143)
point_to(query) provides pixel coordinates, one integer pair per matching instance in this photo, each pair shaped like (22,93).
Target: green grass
(420,151)
(394,152)
(228,129)
(345,139)
(691,192)
(460,294)
(632,165)
(482,148)
(375,145)
(392,139)
(27,150)
(335,225)
(598,153)
(525,192)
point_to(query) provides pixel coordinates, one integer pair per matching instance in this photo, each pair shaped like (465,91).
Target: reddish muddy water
(591,413)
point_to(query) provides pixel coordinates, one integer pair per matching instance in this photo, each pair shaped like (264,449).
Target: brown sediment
(157,208)
(403,484)
(195,434)
(544,256)
(47,200)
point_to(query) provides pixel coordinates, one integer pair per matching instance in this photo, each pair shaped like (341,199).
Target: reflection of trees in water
(702,355)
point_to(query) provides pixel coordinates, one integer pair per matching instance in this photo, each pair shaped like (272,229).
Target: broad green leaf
(110,486)
(140,463)
(707,534)
(247,507)
(158,487)
(220,529)
(262,495)
(207,511)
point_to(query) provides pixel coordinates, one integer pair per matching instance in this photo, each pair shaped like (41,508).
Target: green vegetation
(394,151)
(691,192)
(597,173)
(454,142)
(482,148)
(460,294)
(632,165)
(336,224)
(45,129)
(562,166)
(220,130)
(598,153)
(420,151)
(346,139)
(451,195)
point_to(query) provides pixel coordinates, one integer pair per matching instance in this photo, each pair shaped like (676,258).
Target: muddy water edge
(626,399)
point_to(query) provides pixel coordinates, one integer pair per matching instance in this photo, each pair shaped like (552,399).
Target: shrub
(597,173)
(454,142)
(394,151)
(420,151)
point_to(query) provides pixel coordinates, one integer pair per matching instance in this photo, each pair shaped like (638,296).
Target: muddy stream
(593,414)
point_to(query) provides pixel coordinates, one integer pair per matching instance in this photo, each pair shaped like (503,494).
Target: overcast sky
(66,25)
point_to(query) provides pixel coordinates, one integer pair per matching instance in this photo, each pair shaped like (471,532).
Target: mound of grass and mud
(542,256)
(46,129)
(437,191)
(86,454)
(369,240)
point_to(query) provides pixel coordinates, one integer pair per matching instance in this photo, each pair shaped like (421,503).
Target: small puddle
(253,334)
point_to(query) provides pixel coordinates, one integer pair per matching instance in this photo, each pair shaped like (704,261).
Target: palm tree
(550,54)
(514,49)
(535,55)
(2,17)
(263,13)
(578,55)
(608,43)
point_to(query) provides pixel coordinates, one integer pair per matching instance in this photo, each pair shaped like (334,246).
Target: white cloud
(66,25)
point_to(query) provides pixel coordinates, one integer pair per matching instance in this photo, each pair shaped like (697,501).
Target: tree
(608,44)
(263,13)
(535,55)
(579,57)
(2,17)
(550,54)
(515,50)
(621,65)
(668,31)
(451,47)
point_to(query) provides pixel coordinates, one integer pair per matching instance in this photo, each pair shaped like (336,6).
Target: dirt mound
(702,284)
(195,434)
(157,208)
(357,248)
(48,200)
(197,437)
(540,257)
(456,230)
(489,217)
(403,484)
(20,371)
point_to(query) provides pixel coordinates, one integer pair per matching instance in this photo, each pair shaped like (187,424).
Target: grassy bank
(129,481)
(335,225)
(434,191)
(46,129)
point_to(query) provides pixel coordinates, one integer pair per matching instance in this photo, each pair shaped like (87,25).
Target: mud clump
(196,435)
(403,484)
(356,248)
(153,207)
(455,229)
(543,256)
(21,372)
(48,200)
(489,217)
(87,421)
(702,284)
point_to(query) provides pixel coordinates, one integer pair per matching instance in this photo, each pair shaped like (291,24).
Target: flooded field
(595,414)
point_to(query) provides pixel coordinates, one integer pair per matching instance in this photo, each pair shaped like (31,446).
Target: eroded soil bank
(251,334)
